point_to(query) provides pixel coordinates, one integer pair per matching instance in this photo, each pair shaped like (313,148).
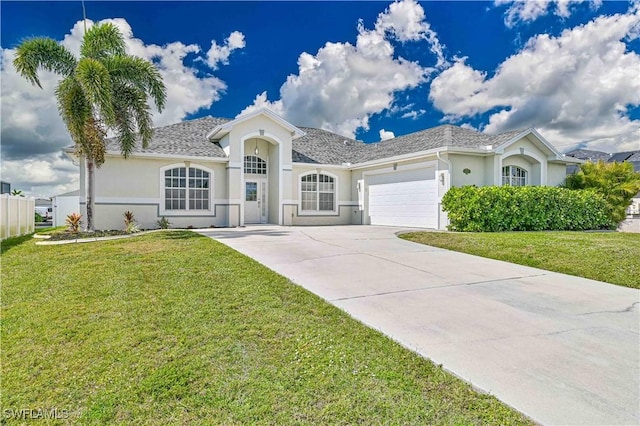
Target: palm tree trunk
(90,193)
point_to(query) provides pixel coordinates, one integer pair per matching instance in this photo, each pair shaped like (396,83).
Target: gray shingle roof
(188,138)
(588,154)
(323,147)
(437,137)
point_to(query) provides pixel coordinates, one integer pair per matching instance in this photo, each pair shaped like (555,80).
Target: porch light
(256,151)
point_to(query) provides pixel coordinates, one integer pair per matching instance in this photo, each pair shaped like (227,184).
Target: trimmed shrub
(525,208)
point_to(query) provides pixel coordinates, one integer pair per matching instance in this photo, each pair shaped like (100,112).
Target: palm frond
(132,112)
(45,53)
(94,78)
(101,41)
(141,73)
(74,108)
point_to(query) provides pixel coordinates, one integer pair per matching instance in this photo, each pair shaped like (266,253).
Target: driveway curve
(560,349)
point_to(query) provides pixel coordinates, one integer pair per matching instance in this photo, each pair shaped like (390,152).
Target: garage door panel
(403,199)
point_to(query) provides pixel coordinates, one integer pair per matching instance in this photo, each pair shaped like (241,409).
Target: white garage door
(408,198)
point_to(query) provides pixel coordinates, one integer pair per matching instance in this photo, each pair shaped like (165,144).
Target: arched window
(514,176)
(317,192)
(186,188)
(254,165)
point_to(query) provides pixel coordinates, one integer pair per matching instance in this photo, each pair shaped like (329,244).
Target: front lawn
(175,328)
(612,257)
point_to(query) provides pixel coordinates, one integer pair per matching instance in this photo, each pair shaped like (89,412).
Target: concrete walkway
(560,349)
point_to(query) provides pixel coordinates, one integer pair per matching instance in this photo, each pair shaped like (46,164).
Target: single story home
(259,168)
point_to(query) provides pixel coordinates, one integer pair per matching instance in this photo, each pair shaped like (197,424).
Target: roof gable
(505,142)
(222,129)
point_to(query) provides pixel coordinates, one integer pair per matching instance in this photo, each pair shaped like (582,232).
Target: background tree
(616,181)
(103,92)
(17,192)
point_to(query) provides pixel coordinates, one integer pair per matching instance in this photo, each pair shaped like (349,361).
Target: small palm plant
(73,222)
(130,224)
(163,223)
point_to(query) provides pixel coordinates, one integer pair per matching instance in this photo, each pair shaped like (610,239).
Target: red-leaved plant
(73,222)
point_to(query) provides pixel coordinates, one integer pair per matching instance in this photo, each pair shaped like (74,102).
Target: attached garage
(404,198)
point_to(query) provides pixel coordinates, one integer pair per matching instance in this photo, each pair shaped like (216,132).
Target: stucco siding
(251,129)
(556,174)
(344,203)
(137,184)
(476,167)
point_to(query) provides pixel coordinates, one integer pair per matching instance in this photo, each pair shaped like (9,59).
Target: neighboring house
(5,187)
(44,207)
(258,168)
(64,205)
(632,157)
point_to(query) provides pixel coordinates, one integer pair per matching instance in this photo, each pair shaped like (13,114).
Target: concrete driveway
(560,349)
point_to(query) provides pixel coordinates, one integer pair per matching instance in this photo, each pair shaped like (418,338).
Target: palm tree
(616,181)
(104,91)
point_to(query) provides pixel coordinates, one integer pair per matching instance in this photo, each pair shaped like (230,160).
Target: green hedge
(526,208)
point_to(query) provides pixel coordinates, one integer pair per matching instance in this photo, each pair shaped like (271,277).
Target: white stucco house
(259,168)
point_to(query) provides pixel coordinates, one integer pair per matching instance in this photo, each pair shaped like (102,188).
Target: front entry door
(255,201)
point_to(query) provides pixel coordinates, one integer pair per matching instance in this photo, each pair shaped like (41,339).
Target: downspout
(449,170)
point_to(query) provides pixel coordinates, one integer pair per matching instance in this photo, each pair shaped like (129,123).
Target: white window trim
(187,211)
(526,176)
(266,164)
(335,194)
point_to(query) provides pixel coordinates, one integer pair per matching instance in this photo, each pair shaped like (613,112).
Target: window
(254,165)
(186,188)
(514,176)
(317,192)
(251,191)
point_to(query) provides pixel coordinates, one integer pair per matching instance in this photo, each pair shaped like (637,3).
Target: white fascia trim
(322,166)
(220,130)
(567,159)
(157,156)
(71,153)
(531,131)
(416,156)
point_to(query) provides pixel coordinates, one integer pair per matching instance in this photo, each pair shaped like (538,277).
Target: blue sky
(369,70)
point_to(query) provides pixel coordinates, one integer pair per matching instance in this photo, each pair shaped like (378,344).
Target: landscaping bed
(66,235)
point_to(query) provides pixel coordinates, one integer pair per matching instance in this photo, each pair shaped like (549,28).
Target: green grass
(612,257)
(175,328)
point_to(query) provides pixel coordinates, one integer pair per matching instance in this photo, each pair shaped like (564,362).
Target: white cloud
(33,133)
(41,177)
(414,114)
(629,141)
(343,85)
(573,87)
(385,135)
(220,54)
(530,10)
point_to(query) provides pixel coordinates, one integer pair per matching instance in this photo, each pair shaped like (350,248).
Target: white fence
(17,215)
